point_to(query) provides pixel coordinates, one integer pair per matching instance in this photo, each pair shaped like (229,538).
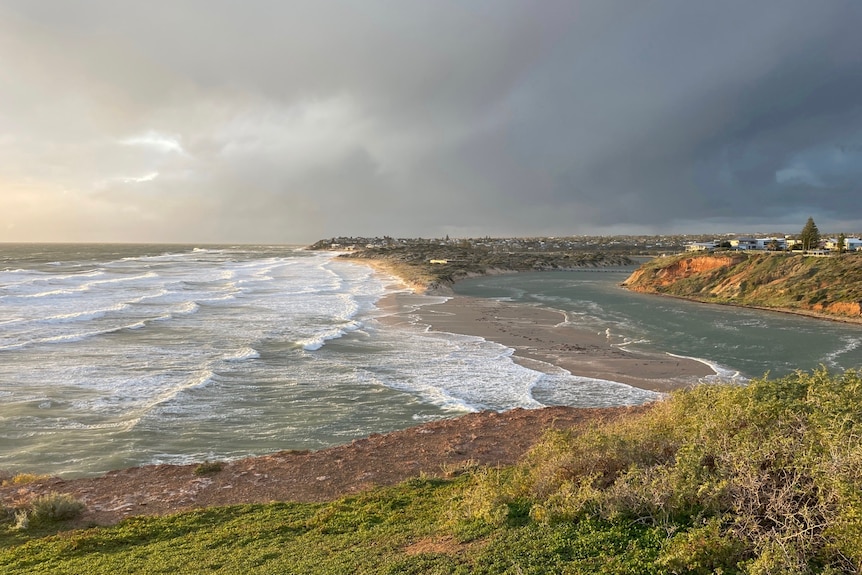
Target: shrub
(776,464)
(22,519)
(209,468)
(23,479)
(6,513)
(54,507)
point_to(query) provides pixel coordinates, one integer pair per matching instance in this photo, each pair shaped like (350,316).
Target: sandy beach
(541,339)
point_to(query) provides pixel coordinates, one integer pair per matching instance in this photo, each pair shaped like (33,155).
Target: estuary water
(737,343)
(119,355)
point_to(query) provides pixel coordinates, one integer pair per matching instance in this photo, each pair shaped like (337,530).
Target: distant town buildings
(625,244)
(773,244)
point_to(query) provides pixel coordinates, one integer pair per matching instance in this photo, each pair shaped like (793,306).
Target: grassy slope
(765,478)
(407,529)
(793,282)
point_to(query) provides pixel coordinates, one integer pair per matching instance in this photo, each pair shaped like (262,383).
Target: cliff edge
(828,287)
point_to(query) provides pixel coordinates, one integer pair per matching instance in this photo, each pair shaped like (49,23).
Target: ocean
(113,356)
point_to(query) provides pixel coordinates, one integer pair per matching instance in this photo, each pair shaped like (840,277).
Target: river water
(737,342)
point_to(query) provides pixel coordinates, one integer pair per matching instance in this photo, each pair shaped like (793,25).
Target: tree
(842,243)
(810,235)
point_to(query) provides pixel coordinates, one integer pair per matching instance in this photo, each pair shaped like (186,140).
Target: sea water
(119,355)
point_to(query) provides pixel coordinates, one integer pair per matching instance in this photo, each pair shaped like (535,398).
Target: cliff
(829,287)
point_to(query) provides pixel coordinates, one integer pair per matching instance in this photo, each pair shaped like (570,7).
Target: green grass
(367,534)
(765,478)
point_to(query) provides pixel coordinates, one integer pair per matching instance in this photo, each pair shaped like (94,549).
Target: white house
(744,243)
(850,244)
(765,243)
(701,246)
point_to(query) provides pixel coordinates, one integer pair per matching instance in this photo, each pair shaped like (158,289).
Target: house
(744,243)
(767,243)
(850,244)
(701,246)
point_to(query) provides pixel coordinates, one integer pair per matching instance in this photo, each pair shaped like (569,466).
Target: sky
(283,121)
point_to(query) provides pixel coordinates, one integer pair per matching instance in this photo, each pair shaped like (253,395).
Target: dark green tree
(842,244)
(810,235)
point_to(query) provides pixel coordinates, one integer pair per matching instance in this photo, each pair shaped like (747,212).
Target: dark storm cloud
(289,121)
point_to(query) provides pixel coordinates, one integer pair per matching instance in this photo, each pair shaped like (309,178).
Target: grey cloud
(297,120)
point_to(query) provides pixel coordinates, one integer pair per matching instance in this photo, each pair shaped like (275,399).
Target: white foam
(186,308)
(83,315)
(722,373)
(850,344)
(315,342)
(454,372)
(244,354)
(577,391)
(163,395)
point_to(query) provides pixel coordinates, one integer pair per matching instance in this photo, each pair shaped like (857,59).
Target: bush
(209,468)
(6,513)
(22,479)
(777,465)
(54,507)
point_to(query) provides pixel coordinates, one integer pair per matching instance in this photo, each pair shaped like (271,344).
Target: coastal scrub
(756,479)
(764,478)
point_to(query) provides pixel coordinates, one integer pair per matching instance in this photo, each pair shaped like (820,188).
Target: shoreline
(811,314)
(538,342)
(541,338)
(439,449)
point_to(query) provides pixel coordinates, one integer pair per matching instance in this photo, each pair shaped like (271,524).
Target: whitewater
(113,356)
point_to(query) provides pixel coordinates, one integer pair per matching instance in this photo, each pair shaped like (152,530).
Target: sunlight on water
(113,356)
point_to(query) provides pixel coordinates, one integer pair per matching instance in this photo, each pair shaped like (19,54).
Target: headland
(819,287)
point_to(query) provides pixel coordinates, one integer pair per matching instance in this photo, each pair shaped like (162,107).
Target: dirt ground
(436,449)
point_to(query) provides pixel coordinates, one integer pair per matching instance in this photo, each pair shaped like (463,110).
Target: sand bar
(541,336)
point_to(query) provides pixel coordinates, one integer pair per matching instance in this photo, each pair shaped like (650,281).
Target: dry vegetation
(765,478)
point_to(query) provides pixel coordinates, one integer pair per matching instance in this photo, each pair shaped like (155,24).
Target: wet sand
(541,336)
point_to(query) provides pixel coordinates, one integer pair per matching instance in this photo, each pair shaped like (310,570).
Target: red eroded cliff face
(648,279)
(825,287)
(849,309)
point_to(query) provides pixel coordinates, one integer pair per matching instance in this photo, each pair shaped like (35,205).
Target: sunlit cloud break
(156,141)
(242,122)
(139,180)
(107,182)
